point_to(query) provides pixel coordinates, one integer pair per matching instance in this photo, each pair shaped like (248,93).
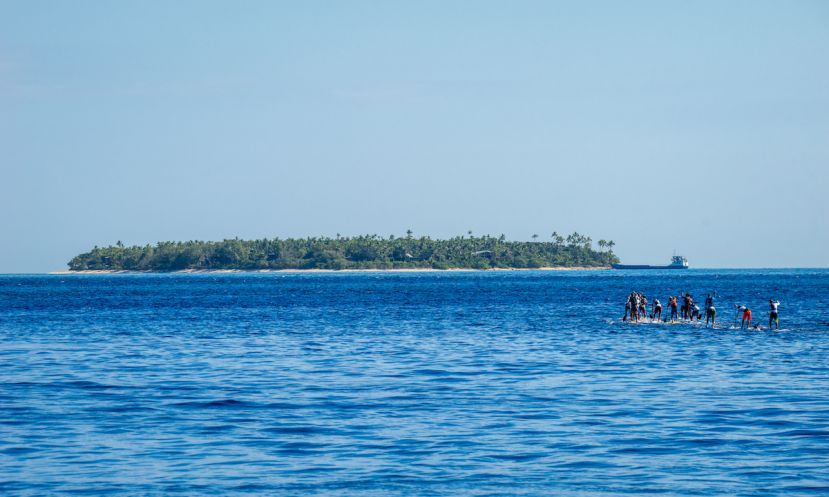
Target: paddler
(774,317)
(746,318)
(673,304)
(711,313)
(643,306)
(627,310)
(630,307)
(710,310)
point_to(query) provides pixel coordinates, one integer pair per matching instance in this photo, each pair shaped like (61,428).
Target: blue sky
(696,126)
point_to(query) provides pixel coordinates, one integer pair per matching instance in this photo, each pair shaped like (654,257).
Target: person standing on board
(695,312)
(673,304)
(630,307)
(774,317)
(628,310)
(657,310)
(710,310)
(637,304)
(643,306)
(746,318)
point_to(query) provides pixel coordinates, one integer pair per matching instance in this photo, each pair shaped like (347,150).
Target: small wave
(297,448)
(805,433)
(817,488)
(706,442)
(646,450)
(297,430)
(215,404)
(82,384)
(516,457)
(586,464)
(17,451)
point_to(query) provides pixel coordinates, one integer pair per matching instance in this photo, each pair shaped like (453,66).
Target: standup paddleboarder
(710,310)
(673,305)
(746,318)
(774,317)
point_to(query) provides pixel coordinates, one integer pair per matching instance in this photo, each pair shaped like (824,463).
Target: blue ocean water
(459,383)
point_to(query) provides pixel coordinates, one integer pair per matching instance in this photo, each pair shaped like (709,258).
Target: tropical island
(358,252)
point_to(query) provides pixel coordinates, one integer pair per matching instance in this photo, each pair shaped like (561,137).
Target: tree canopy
(359,252)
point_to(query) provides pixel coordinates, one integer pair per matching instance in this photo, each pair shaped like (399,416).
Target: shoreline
(253,271)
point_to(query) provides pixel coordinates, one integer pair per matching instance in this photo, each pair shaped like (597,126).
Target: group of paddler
(636,309)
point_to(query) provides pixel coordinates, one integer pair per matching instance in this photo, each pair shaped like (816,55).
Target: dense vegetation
(361,252)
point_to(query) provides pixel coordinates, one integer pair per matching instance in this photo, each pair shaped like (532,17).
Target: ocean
(445,383)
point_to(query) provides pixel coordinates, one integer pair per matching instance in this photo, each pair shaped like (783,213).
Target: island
(366,252)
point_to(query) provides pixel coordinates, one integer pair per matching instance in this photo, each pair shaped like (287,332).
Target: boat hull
(644,266)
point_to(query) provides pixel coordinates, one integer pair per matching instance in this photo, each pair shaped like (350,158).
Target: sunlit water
(409,384)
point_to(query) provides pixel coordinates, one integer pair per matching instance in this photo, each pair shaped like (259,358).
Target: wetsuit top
(709,302)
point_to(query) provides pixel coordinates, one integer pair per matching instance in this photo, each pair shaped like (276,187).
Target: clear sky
(696,126)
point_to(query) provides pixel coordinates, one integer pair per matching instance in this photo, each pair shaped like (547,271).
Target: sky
(700,127)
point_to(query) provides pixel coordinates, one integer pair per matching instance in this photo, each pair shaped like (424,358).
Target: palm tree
(602,244)
(557,239)
(535,235)
(409,233)
(610,245)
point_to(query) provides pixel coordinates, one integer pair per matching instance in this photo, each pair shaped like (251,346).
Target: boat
(677,262)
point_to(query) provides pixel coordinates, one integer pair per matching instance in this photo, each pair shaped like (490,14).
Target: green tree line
(358,252)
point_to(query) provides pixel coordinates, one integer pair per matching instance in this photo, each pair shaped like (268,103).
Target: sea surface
(456,383)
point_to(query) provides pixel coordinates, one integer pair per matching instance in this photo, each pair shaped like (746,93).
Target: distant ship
(677,262)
